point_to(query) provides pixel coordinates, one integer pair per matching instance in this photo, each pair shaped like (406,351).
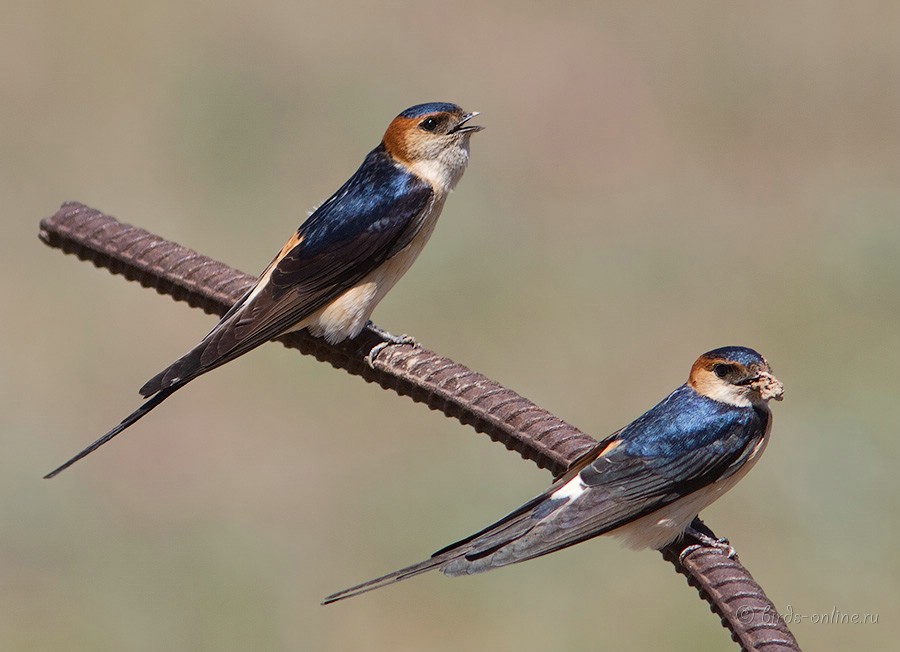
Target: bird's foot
(389,340)
(706,541)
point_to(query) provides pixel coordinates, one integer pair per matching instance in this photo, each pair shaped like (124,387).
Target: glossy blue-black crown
(419,110)
(740,354)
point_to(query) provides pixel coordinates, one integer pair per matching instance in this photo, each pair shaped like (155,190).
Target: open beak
(461,128)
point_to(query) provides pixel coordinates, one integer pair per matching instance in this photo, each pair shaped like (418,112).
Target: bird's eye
(428,124)
(721,370)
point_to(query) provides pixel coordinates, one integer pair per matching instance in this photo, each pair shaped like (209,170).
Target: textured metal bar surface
(425,377)
(412,371)
(732,593)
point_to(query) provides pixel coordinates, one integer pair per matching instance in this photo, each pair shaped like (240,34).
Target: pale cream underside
(347,315)
(663,526)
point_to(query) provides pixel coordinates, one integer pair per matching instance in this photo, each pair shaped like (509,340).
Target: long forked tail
(130,420)
(474,554)
(390,578)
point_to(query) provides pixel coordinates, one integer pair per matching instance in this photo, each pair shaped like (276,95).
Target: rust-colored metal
(412,371)
(425,377)
(732,593)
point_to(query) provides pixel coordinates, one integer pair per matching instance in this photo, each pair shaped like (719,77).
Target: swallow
(343,259)
(644,484)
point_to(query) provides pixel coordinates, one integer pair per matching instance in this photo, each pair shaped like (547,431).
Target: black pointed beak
(462,128)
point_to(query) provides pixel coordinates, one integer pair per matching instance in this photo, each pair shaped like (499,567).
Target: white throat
(445,170)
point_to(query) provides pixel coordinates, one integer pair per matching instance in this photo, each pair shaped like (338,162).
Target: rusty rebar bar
(425,377)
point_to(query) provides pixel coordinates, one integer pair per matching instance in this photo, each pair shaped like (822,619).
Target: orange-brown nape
(396,137)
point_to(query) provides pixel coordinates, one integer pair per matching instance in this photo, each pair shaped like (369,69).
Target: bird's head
(735,375)
(432,141)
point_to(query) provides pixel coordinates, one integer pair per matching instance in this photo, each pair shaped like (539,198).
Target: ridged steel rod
(425,377)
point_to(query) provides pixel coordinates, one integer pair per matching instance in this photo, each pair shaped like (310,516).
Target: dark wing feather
(622,487)
(510,527)
(654,461)
(373,216)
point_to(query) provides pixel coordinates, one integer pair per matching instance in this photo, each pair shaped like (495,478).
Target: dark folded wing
(681,445)
(618,488)
(369,219)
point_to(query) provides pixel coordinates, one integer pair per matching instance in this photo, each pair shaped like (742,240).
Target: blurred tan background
(654,181)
